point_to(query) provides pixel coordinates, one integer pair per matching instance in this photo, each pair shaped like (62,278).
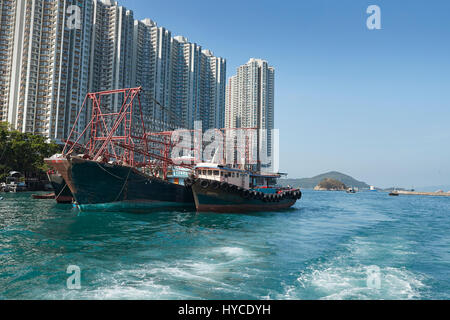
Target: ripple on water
(346,274)
(350,282)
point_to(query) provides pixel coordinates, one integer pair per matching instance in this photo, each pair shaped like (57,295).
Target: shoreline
(406,193)
(415,193)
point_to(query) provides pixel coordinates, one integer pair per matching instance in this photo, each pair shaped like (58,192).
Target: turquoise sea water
(324,248)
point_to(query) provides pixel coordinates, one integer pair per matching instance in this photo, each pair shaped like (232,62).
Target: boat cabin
(220,173)
(178,175)
(238,177)
(264,180)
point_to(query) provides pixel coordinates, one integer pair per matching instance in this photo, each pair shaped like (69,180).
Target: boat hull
(107,187)
(217,200)
(62,190)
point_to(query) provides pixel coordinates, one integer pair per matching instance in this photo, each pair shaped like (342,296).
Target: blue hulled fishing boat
(103,186)
(223,189)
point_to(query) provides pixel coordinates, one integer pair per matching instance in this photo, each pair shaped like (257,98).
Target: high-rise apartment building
(7,27)
(111,49)
(182,83)
(49,62)
(250,100)
(49,71)
(231,100)
(198,85)
(152,71)
(213,95)
(186,73)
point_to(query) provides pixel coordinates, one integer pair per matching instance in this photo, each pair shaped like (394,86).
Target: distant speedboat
(351,190)
(394,194)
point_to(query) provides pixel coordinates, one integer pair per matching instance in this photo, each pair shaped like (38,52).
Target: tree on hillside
(331,184)
(23,152)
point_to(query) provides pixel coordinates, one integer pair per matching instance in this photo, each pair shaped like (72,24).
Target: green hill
(310,183)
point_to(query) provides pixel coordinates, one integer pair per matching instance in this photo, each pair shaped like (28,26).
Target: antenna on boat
(215,158)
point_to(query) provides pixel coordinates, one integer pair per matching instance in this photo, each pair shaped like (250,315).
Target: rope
(117,177)
(123,187)
(61,191)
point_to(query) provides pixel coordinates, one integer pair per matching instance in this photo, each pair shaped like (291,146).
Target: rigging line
(61,191)
(117,177)
(124,184)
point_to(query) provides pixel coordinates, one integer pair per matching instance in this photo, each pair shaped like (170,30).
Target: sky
(374,104)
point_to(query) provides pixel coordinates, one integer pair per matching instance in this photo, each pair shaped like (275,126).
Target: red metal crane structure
(120,136)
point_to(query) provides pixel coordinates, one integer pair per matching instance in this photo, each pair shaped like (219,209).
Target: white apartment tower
(250,100)
(185,98)
(213,86)
(152,71)
(231,100)
(48,65)
(48,72)
(111,50)
(198,85)
(7,27)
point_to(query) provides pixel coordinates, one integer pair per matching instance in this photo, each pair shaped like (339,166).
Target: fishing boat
(222,189)
(115,164)
(101,186)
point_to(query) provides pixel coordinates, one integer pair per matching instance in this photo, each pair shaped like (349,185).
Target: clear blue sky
(372,104)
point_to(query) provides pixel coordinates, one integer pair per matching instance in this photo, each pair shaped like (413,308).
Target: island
(311,183)
(329,184)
